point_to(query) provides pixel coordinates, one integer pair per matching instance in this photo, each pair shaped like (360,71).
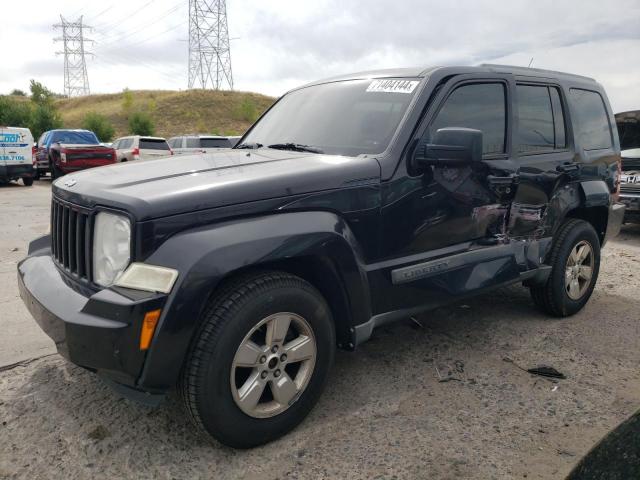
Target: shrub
(16,92)
(44,117)
(127,100)
(99,125)
(246,111)
(140,123)
(15,112)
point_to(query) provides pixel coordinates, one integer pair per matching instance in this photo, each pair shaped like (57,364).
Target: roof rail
(528,70)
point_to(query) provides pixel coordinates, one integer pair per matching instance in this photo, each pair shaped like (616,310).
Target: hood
(631,153)
(173,185)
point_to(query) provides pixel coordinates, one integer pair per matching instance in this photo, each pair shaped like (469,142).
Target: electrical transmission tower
(209,51)
(76,81)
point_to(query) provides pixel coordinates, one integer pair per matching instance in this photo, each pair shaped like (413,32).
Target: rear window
(193,142)
(78,138)
(540,119)
(153,144)
(592,121)
(215,143)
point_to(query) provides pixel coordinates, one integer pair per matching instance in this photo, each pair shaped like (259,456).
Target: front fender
(207,255)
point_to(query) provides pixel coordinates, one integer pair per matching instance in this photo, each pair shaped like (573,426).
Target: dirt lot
(385,413)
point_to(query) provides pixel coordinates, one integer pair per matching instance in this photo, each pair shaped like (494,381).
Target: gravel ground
(385,413)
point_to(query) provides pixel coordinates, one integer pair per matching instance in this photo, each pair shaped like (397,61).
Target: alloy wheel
(273,365)
(579,270)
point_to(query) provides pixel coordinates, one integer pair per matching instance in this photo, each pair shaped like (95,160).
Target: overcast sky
(278,44)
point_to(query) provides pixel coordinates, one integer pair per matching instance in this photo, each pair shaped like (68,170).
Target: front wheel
(27,181)
(575,262)
(56,172)
(260,360)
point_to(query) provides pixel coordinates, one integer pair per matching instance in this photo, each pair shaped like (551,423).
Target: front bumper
(614,222)
(76,165)
(10,172)
(99,330)
(632,203)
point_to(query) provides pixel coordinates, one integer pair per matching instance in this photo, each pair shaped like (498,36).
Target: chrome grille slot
(70,231)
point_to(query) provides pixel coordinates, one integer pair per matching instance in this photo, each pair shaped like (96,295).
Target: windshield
(341,118)
(78,138)
(629,131)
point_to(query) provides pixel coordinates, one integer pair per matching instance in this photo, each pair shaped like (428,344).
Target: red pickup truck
(65,151)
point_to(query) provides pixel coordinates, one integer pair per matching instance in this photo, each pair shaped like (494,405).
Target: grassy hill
(173,113)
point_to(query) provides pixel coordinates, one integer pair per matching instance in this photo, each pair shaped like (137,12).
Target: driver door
(439,211)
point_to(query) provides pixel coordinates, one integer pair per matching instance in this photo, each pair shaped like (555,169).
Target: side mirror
(449,147)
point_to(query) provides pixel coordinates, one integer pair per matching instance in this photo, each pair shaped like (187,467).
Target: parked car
(63,151)
(141,148)
(189,144)
(629,131)
(16,158)
(352,203)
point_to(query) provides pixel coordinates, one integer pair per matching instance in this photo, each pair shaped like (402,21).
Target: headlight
(111,247)
(63,157)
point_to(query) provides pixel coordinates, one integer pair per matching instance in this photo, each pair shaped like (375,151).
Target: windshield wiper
(296,147)
(251,145)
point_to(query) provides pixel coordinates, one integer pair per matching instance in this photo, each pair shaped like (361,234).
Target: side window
(116,145)
(481,106)
(536,131)
(591,119)
(193,142)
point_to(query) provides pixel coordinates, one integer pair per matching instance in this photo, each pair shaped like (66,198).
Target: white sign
(393,86)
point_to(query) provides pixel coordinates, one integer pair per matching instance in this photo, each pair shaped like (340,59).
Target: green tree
(40,94)
(100,125)
(141,123)
(44,117)
(16,92)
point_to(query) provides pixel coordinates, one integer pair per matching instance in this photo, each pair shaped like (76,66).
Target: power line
(116,39)
(76,80)
(209,50)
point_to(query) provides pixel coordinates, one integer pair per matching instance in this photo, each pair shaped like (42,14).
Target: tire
(27,181)
(36,174)
(56,172)
(212,380)
(556,297)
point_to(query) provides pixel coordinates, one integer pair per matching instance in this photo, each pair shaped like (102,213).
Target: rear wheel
(28,181)
(260,360)
(36,174)
(575,262)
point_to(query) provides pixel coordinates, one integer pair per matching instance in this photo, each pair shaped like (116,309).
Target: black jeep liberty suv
(351,203)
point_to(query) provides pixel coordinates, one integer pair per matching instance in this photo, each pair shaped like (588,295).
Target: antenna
(209,51)
(530,62)
(76,81)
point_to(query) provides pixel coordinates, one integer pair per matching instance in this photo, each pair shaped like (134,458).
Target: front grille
(71,238)
(630,188)
(630,164)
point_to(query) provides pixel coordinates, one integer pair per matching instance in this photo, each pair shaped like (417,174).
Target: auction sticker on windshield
(393,86)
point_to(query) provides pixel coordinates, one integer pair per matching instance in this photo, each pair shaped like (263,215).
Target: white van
(16,155)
